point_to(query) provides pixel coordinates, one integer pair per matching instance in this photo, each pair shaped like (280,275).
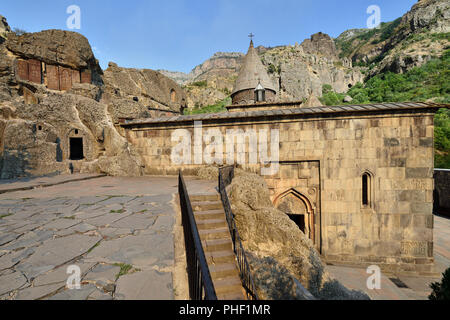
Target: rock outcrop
(300,74)
(320,44)
(298,71)
(398,46)
(133,93)
(211,81)
(283,260)
(4,27)
(59,111)
(56,47)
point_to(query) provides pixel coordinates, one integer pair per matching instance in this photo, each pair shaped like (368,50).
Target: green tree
(441,290)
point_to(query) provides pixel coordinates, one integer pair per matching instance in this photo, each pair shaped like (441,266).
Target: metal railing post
(244,269)
(201,286)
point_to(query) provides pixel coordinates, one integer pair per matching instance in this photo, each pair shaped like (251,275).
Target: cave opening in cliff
(76,149)
(299,220)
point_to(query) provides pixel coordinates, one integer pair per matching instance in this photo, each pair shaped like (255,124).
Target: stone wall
(323,158)
(248,96)
(442,190)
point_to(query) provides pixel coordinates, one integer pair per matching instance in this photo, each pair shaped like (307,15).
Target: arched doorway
(299,209)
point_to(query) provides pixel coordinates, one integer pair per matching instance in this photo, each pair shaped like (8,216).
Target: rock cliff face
(59,111)
(4,27)
(400,45)
(133,93)
(210,81)
(320,44)
(301,70)
(298,71)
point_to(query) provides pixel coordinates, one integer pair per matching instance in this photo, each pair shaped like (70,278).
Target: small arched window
(260,93)
(366,190)
(173,96)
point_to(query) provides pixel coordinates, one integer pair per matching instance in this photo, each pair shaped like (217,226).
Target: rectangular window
(366,189)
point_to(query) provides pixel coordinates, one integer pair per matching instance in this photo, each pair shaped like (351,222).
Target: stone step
(228,285)
(204,197)
(206,205)
(223,270)
(217,245)
(216,257)
(210,214)
(211,224)
(218,233)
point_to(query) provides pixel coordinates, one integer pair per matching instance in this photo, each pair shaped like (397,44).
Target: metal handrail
(201,286)
(244,269)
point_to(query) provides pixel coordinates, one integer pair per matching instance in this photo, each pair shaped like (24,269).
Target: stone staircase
(216,240)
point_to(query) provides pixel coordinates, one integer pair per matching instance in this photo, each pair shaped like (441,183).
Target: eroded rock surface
(59,112)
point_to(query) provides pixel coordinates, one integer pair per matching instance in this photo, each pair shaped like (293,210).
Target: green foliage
(215,108)
(200,84)
(441,291)
(442,138)
(329,97)
(387,29)
(428,82)
(124,269)
(273,69)
(327,88)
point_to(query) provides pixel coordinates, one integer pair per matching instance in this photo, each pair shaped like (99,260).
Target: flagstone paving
(118,231)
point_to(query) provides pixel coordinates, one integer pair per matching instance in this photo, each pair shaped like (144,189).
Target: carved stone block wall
(330,154)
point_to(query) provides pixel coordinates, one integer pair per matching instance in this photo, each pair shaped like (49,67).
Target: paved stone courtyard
(412,287)
(119,231)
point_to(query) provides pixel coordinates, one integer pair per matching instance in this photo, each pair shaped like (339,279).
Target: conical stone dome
(252,73)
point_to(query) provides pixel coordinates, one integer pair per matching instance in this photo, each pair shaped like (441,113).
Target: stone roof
(297,112)
(252,72)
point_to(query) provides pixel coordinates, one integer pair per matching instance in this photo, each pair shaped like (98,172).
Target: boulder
(56,47)
(320,44)
(148,88)
(312,101)
(208,173)
(280,253)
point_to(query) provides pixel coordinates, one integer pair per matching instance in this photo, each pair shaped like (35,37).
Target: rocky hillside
(398,46)
(301,71)
(211,81)
(297,72)
(59,111)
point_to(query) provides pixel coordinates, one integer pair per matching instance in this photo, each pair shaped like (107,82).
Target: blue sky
(180,34)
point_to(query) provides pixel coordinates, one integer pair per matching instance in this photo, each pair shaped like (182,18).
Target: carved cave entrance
(76,148)
(299,209)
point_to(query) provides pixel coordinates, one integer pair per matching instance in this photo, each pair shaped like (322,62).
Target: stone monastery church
(357,179)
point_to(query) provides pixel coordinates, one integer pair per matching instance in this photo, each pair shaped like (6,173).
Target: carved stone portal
(298,207)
